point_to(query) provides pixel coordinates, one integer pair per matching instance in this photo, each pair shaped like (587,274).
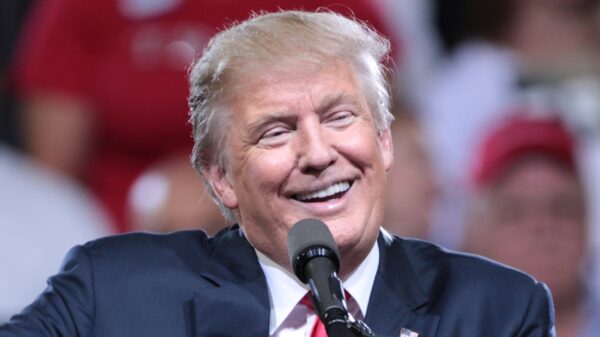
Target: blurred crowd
(496,137)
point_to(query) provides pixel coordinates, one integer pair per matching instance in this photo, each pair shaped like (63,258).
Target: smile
(330,192)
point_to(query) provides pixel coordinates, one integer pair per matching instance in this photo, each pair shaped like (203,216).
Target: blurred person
(470,87)
(529,211)
(170,196)
(295,131)
(493,49)
(412,187)
(103,82)
(42,215)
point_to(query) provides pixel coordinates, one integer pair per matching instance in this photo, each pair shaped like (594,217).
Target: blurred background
(496,137)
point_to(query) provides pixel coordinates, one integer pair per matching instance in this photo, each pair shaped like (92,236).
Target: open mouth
(330,192)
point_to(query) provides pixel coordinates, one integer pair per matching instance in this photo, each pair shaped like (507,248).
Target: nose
(315,149)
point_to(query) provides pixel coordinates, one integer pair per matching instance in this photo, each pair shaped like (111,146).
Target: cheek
(265,170)
(361,149)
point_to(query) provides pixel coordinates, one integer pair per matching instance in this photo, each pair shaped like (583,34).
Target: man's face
(537,223)
(302,145)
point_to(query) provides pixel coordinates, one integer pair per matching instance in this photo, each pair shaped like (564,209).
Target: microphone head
(307,239)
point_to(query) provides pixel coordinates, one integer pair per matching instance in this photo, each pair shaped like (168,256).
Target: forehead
(295,88)
(537,175)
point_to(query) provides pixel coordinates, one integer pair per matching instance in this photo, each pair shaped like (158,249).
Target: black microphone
(315,260)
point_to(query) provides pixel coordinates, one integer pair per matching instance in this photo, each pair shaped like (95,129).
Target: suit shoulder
(464,286)
(139,243)
(439,265)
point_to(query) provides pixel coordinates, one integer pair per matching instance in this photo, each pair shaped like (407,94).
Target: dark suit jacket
(186,284)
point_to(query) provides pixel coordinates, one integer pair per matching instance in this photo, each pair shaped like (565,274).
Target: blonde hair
(282,40)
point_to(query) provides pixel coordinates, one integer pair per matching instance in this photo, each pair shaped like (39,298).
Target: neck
(349,265)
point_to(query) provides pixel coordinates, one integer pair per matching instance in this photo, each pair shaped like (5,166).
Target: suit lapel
(238,302)
(397,300)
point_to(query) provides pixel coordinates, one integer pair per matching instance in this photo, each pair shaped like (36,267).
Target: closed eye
(274,136)
(340,119)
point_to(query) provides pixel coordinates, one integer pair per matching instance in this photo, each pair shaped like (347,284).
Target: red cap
(519,136)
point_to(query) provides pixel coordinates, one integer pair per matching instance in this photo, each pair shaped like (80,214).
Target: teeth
(326,192)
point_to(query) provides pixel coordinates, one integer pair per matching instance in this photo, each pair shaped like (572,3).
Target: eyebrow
(332,100)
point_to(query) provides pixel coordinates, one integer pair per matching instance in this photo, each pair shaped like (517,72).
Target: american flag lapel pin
(408,333)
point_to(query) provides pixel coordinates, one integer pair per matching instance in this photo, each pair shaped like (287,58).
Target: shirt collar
(360,282)
(285,290)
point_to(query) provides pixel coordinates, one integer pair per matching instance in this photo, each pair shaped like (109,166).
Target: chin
(348,239)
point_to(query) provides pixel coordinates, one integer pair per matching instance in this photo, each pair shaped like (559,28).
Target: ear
(222,185)
(387,148)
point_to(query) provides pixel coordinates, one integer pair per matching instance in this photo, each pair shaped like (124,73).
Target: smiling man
(291,118)
(304,145)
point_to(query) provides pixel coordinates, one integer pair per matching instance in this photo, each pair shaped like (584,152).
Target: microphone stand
(315,260)
(348,327)
(334,313)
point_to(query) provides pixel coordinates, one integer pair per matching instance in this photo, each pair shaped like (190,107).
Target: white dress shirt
(291,319)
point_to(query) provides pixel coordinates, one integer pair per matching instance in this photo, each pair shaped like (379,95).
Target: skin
(58,131)
(534,220)
(412,187)
(186,204)
(296,132)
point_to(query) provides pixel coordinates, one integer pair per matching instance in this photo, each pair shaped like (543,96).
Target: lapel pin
(408,333)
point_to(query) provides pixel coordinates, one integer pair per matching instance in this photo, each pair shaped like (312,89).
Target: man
(529,211)
(291,120)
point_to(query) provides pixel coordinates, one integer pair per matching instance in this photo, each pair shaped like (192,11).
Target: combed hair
(278,42)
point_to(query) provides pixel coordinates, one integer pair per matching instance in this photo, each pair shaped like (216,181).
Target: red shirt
(128,58)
